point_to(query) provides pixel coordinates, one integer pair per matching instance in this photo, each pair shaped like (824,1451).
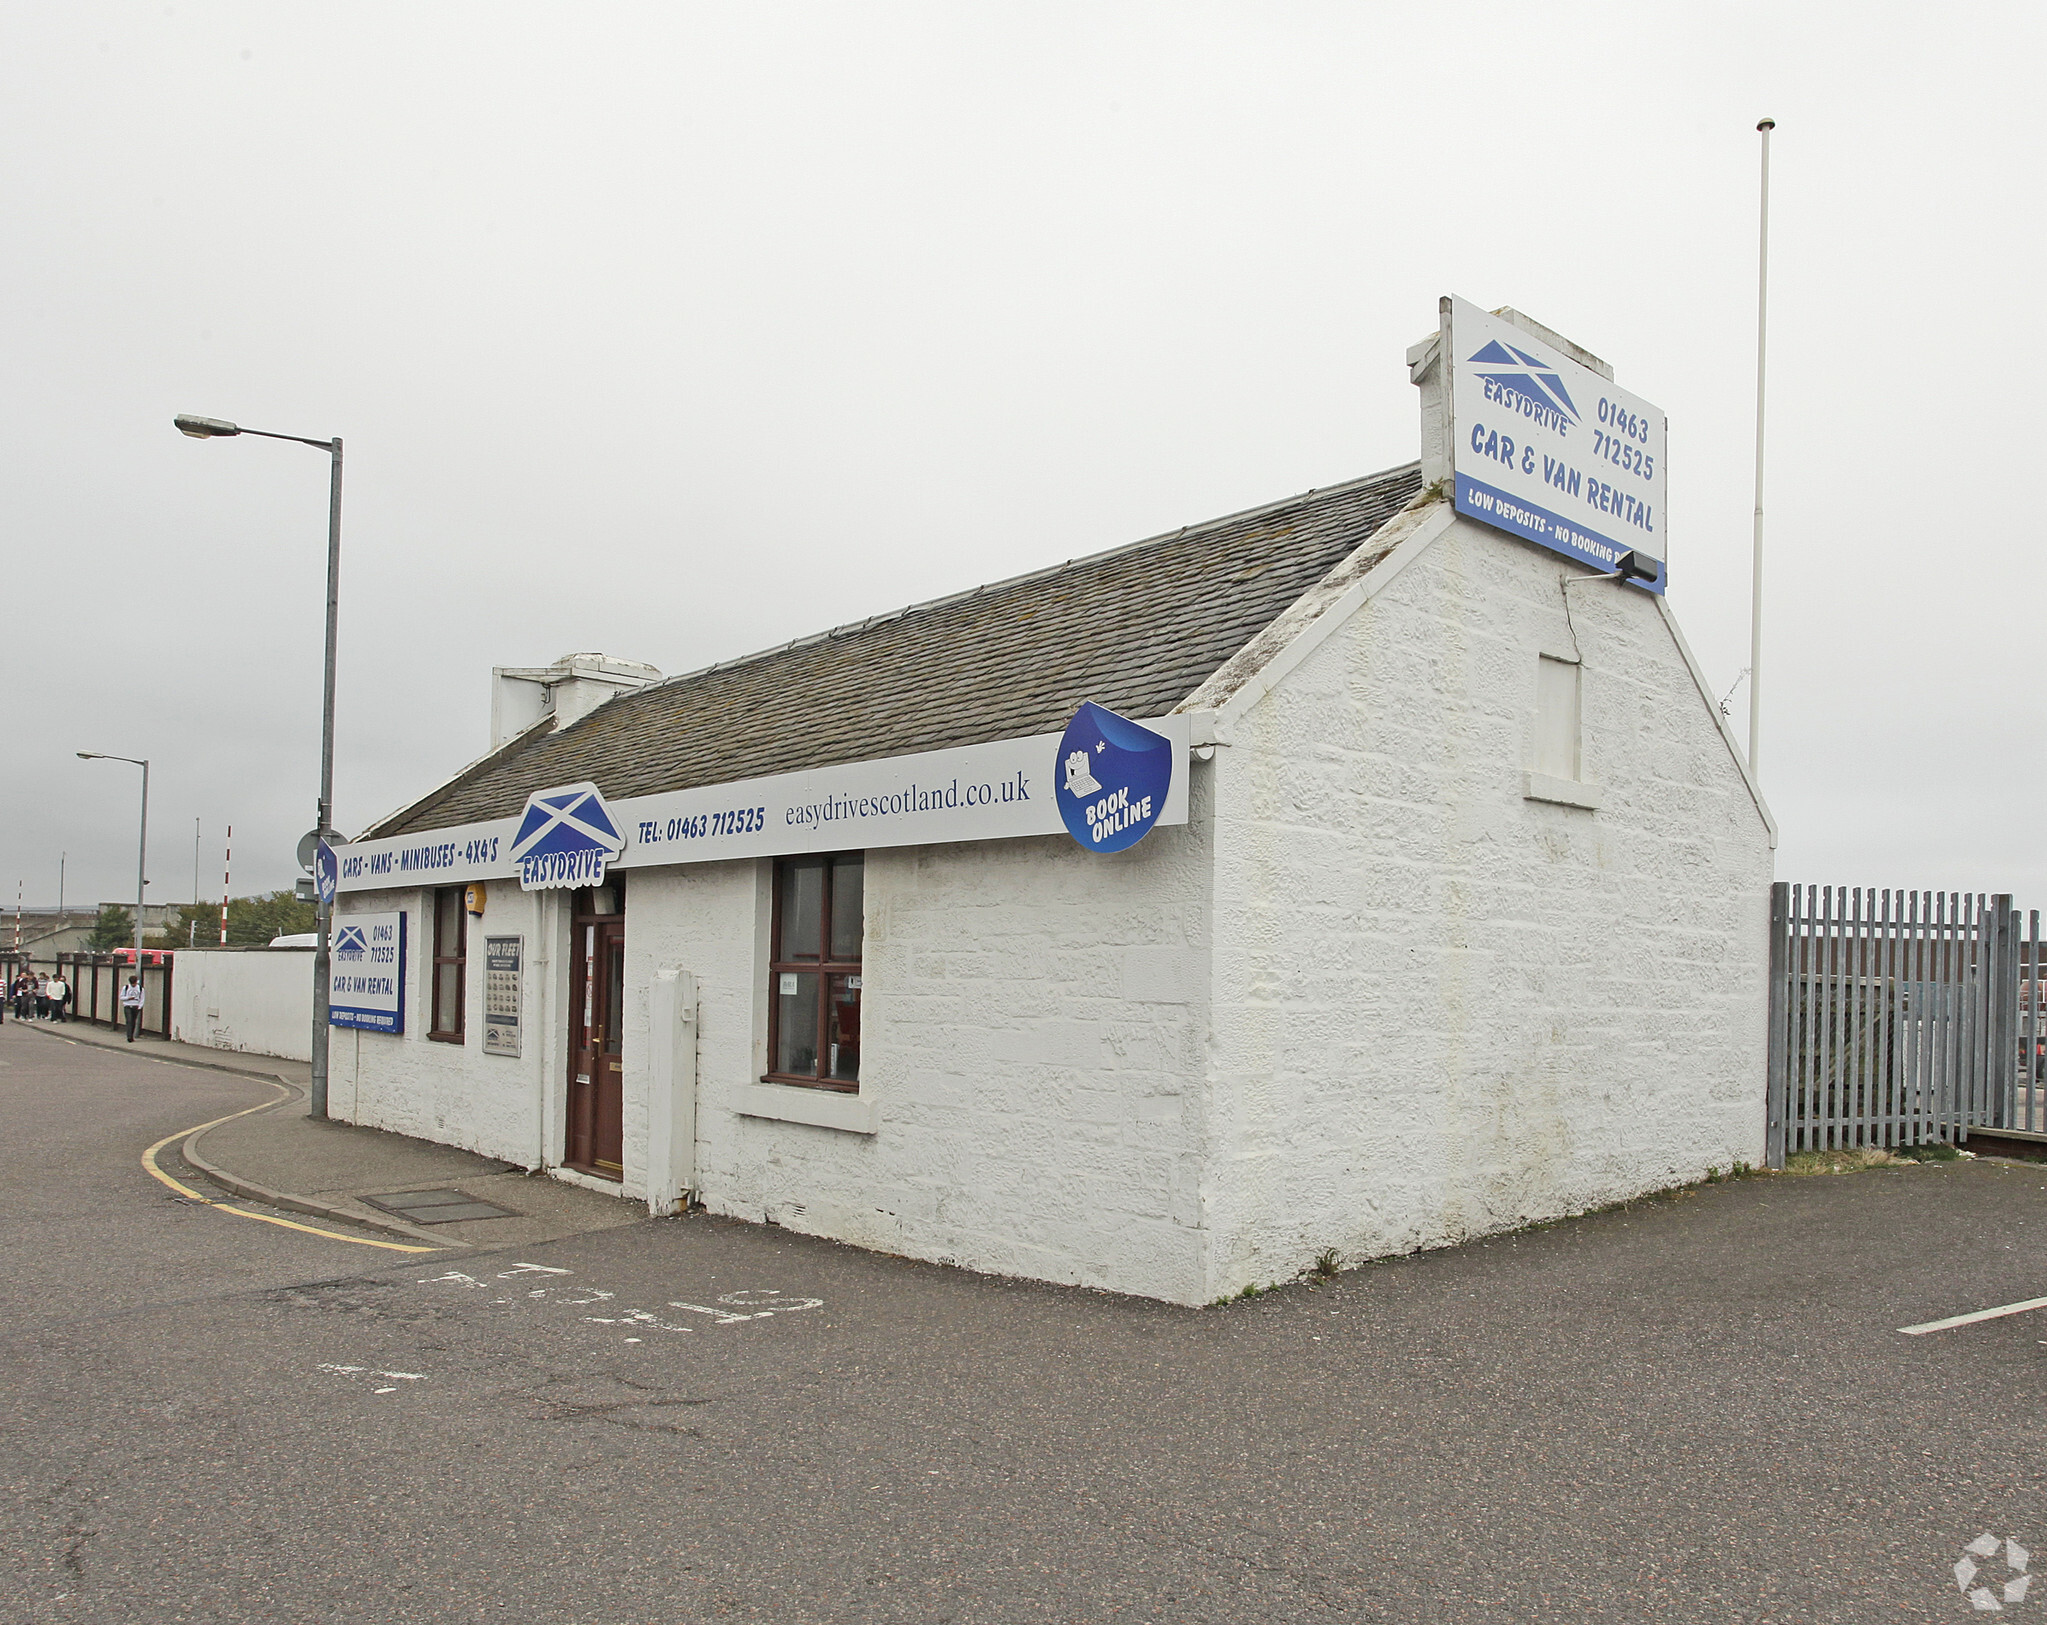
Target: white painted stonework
(1373,996)
(455,1093)
(257,1001)
(1443,1007)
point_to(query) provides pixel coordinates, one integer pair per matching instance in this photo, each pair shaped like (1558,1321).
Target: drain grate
(437,1207)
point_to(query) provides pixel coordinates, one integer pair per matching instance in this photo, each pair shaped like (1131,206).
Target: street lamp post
(212,429)
(141,840)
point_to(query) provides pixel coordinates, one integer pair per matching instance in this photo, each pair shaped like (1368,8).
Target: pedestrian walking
(60,991)
(131,1006)
(42,996)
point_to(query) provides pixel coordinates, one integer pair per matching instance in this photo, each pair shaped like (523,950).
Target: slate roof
(1136,629)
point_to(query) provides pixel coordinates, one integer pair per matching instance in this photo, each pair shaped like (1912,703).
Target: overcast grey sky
(675,331)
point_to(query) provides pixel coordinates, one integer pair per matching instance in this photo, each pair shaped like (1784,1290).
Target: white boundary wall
(258,1000)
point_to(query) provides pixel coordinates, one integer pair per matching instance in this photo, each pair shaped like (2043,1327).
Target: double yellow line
(149,1165)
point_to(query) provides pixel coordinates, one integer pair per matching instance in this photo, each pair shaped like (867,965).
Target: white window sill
(1562,792)
(820,1108)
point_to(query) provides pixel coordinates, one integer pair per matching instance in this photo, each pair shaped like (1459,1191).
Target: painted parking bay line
(1998,1313)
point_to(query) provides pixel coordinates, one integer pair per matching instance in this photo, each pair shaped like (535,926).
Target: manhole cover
(437,1207)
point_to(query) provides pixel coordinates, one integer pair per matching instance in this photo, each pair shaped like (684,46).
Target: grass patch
(1854,1159)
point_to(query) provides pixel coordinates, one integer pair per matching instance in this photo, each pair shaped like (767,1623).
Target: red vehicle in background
(150,956)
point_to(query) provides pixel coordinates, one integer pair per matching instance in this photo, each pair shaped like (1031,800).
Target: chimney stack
(571,688)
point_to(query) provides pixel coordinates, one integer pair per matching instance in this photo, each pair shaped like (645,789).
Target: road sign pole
(322,960)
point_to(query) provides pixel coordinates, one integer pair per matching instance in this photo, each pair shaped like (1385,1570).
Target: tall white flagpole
(1755,633)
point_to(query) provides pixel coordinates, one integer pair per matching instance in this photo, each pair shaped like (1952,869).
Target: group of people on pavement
(38,996)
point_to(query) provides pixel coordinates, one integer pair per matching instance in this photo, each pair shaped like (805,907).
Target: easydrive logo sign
(566,837)
(1546,449)
(1525,383)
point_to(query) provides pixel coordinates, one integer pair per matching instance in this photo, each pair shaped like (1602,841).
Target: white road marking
(637,1317)
(723,1317)
(768,1299)
(736,1306)
(363,1370)
(753,1303)
(358,1371)
(1969,1320)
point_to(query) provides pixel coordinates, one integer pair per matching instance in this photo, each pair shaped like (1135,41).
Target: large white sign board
(366,986)
(1546,449)
(991,792)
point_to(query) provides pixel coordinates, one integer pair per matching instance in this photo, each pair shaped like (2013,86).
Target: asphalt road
(1697,1409)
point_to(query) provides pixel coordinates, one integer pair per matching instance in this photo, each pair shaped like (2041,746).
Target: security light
(1642,567)
(203,428)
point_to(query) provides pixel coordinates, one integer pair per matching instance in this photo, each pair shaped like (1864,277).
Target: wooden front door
(596,1127)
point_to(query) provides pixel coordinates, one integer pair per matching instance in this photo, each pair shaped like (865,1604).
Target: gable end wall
(1442,1009)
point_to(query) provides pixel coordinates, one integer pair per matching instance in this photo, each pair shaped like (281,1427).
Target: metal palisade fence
(1901,1017)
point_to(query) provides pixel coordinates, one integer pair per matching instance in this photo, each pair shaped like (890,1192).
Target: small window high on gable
(1555,747)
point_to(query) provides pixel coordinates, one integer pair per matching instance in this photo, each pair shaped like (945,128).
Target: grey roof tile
(1136,629)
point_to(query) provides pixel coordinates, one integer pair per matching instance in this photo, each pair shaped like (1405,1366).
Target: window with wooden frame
(814,972)
(451,941)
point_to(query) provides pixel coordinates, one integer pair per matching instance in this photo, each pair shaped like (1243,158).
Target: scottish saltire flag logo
(349,943)
(1516,377)
(565,838)
(1112,777)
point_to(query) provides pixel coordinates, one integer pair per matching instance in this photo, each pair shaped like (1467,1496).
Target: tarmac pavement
(287,1161)
(1695,1409)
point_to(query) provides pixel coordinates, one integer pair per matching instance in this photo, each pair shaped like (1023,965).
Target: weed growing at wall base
(1329,1262)
(1854,1159)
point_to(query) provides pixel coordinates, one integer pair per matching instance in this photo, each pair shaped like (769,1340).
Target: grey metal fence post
(2033,1022)
(1778,1080)
(2002,1098)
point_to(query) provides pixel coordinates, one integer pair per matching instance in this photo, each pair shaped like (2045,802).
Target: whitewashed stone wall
(1033,1021)
(705,919)
(254,1000)
(1033,1029)
(454,1093)
(1442,1009)
(1371,998)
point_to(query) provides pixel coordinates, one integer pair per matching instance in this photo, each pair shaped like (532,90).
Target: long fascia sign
(991,792)
(1548,450)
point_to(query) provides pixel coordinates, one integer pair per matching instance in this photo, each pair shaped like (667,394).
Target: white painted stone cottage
(1456,917)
